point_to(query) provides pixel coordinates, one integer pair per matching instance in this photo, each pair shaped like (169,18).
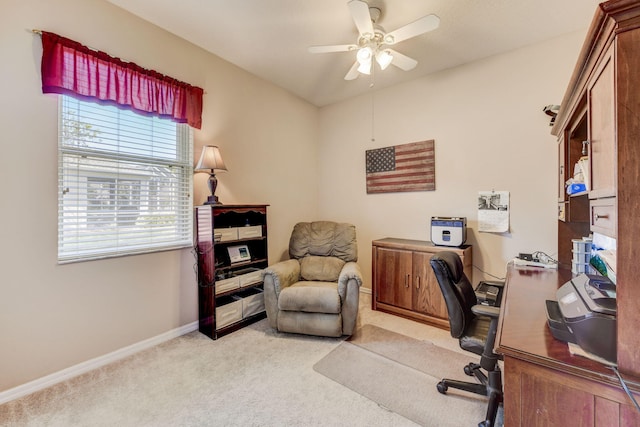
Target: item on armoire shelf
(576,187)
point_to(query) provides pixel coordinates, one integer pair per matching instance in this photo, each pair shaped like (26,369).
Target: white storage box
(250,232)
(251,278)
(581,245)
(253,303)
(228,313)
(227,234)
(581,257)
(579,268)
(227,285)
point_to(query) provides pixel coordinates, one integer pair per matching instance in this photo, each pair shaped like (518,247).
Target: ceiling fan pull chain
(373,117)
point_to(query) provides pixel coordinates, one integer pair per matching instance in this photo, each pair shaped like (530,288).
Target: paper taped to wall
(493,211)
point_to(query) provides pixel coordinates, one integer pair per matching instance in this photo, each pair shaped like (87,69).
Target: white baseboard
(81,368)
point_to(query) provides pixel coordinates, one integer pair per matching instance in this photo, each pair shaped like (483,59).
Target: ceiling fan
(373,41)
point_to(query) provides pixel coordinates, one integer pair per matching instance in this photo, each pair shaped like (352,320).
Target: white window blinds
(125,182)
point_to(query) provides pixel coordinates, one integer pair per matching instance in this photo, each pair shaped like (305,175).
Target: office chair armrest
(492,283)
(486,311)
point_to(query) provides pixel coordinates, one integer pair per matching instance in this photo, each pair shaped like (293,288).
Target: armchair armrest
(349,271)
(349,282)
(282,274)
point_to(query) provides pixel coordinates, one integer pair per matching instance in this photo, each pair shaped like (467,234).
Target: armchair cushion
(311,297)
(321,268)
(324,238)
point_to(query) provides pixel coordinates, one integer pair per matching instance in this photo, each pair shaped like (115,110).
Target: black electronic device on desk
(585,314)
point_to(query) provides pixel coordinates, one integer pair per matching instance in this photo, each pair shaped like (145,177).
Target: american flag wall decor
(406,167)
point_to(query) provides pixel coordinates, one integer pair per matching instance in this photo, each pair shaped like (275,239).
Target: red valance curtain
(71,68)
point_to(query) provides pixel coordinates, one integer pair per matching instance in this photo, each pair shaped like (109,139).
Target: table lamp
(211,161)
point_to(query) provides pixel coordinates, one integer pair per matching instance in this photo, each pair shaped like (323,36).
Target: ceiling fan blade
(361,16)
(353,72)
(402,61)
(421,26)
(333,48)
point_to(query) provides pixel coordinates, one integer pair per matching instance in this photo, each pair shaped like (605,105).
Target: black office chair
(475,327)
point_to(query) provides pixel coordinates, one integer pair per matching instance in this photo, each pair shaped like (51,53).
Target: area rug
(400,373)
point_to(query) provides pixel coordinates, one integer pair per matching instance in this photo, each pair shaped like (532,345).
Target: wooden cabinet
(404,283)
(232,251)
(544,383)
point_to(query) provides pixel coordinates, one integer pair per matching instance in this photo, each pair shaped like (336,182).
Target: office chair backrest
(456,289)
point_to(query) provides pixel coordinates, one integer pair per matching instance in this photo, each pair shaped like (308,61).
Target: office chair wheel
(442,387)
(468,369)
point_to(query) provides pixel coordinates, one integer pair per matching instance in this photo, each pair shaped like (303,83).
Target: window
(125,182)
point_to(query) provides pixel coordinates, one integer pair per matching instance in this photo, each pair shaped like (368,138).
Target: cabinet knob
(407,279)
(585,151)
(604,216)
(418,283)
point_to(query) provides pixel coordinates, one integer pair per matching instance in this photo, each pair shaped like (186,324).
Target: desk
(544,385)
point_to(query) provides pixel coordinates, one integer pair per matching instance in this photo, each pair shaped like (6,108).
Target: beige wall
(55,316)
(486,118)
(490,133)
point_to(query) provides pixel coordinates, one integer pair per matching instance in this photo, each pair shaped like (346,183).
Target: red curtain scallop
(71,68)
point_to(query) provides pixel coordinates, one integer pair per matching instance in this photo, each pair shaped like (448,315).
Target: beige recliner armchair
(316,292)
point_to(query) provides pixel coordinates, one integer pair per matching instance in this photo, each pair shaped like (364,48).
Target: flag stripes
(407,167)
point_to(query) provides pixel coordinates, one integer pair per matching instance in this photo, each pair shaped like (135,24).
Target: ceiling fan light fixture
(373,40)
(384,58)
(365,67)
(364,54)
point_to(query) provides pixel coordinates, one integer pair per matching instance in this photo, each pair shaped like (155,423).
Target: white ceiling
(269,38)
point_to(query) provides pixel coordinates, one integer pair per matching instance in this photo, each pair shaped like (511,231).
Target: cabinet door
(394,277)
(602,149)
(427,297)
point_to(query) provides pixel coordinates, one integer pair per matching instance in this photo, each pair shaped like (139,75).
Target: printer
(585,314)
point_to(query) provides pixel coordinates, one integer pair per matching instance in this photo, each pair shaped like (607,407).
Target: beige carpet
(253,377)
(400,373)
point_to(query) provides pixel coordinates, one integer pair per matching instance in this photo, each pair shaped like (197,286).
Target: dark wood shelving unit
(230,294)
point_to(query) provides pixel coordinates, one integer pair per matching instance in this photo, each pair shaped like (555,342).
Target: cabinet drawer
(226,234)
(227,285)
(603,216)
(229,313)
(250,232)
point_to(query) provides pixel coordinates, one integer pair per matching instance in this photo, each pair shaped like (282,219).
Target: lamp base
(212,200)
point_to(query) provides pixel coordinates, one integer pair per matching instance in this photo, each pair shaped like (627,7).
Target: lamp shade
(211,159)
(364,59)
(384,58)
